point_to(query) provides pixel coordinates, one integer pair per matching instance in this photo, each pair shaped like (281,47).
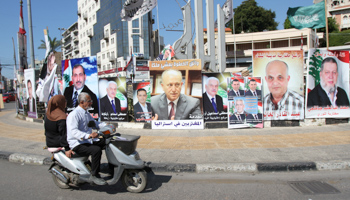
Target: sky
(63,13)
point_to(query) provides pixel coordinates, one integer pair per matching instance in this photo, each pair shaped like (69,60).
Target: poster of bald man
(113,101)
(283,75)
(327,84)
(215,101)
(177,94)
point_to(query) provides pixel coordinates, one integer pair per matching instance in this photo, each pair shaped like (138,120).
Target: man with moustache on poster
(327,93)
(212,103)
(281,99)
(110,104)
(71,93)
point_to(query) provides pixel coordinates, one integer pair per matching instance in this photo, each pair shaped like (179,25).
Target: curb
(33,159)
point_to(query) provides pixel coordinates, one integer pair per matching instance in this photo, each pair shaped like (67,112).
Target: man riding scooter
(82,140)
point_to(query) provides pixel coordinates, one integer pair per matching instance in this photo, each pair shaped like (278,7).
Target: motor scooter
(120,152)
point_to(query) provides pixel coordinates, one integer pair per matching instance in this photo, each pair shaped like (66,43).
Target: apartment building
(340,11)
(102,33)
(70,42)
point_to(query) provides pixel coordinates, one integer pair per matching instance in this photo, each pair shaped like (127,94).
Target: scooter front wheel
(134,180)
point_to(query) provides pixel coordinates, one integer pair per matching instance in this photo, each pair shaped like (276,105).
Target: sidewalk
(323,147)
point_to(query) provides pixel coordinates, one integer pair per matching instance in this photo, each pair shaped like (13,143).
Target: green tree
(55,44)
(249,17)
(287,24)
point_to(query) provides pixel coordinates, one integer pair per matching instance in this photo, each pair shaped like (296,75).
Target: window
(136,43)
(112,41)
(103,56)
(108,55)
(135,23)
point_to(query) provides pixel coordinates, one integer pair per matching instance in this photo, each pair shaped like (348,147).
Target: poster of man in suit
(214,97)
(177,94)
(113,101)
(29,77)
(142,102)
(327,84)
(80,75)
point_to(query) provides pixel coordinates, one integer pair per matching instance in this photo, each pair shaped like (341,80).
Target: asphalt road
(20,181)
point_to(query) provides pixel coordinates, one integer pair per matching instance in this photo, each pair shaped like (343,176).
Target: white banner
(133,9)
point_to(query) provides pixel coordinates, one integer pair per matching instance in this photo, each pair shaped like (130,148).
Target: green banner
(307,17)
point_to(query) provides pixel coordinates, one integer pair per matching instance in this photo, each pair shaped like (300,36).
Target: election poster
(113,99)
(215,102)
(142,102)
(283,75)
(176,97)
(80,75)
(327,84)
(245,104)
(29,80)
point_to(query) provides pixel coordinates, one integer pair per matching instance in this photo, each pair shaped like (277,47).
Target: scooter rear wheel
(58,182)
(134,181)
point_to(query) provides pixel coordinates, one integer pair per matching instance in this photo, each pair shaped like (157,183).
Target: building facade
(70,42)
(340,11)
(102,33)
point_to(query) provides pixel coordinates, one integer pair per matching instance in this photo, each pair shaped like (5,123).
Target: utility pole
(32,59)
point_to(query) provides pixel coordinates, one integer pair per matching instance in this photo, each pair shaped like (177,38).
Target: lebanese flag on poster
(66,73)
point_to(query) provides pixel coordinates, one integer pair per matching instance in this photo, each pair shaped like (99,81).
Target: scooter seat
(55,149)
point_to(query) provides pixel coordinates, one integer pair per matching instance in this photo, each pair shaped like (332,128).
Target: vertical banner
(142,102)
(113,102)
(80,75)
(176,94)
(214,96)
(245,105)
(29,79)
(327,84)
(283,74)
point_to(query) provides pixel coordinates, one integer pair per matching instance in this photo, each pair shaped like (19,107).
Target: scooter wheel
(134,180)
(59,183)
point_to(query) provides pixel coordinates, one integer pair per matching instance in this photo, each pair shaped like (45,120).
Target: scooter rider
(82,140)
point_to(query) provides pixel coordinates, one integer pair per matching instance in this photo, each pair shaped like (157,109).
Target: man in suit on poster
(254,118)
(109,103)
(71,93)
(172,104)
(142,109)
(212,103)
(31,99)
(236,91)
(327,93)
(239,116)
(252,89)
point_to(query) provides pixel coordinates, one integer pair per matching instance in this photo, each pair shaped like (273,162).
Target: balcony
(345,26)
(89,34)
(79,12)
(106,36)
(85,16)
(112,59)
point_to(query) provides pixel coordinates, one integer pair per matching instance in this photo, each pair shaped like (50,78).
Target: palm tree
(55,44)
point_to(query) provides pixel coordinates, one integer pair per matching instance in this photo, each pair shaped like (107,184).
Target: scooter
(120,152)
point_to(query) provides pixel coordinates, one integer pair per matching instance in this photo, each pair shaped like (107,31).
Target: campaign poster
(29,80)
(113,99)
(327,84)
(142,102)
(283,75)
(176,97)
(80,75)
(245,105)
(214,96)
